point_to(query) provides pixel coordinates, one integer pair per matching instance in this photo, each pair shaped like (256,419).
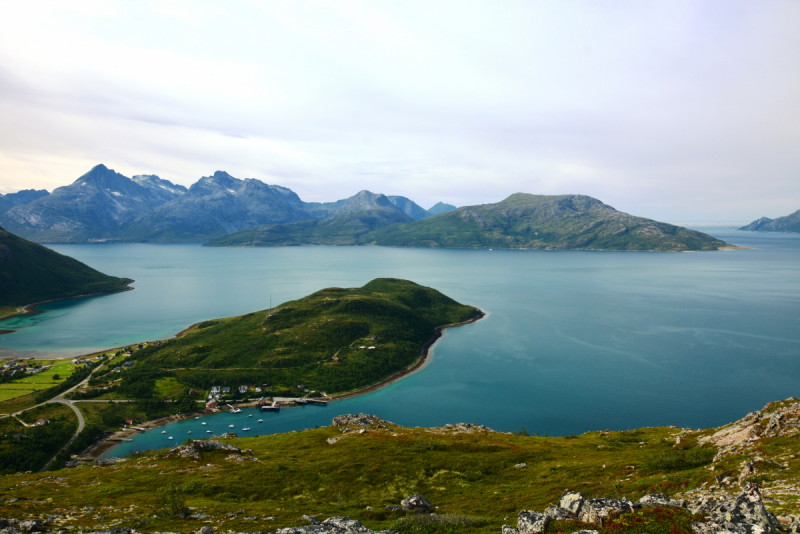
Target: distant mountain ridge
(20,198)
(574,222)
(93,208)
(103,205)
(789,223)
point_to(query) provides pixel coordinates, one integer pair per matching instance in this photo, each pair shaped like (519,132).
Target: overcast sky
(678,111)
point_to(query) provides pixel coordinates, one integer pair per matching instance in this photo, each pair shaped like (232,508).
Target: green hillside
(320,341)
(32,273)
(475,479)
(574,222)
(344,229)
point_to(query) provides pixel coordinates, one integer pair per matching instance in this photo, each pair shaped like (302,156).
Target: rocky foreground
(750,487)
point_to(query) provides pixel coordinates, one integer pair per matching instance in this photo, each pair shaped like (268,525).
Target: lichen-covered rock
(556,513)
(205,530)
(332,525)
(415,503)
(657,499)
(508,529)
(572,501)
(30,526)
(746,514)
(530,522)
(193,449)
(597,511)
(362,420)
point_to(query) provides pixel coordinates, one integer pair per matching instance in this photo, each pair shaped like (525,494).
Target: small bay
(573,341)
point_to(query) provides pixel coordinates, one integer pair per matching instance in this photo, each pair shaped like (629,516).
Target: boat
(189,432)
(260,420)
(251,415)
(169,437)
(230,426)
(198,417)
(164,432)
(245,428)
(202,423)
(235,410)
(209,432)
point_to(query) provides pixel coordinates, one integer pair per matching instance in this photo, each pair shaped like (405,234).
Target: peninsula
(31,274)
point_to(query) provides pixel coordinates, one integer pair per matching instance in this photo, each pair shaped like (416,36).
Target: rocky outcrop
(193,449)
(415,503)
(742,514)
(332,525)
(362,420)
(781,419)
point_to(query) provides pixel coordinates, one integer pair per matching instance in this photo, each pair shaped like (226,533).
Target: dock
(318,402)
(271,408)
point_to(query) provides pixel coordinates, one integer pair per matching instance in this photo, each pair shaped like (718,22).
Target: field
(36,382)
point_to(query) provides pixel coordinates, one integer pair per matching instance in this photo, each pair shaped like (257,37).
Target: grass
(469,478)
(319,341)
(31,383)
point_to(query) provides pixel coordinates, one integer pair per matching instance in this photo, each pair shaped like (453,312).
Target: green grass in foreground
(467,476)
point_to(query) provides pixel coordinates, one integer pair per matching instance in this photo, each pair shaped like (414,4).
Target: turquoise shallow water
(574,341)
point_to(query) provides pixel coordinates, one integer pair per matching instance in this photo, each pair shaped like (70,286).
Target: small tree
(56,376)
(174,501)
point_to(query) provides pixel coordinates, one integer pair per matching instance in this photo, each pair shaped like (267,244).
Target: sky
(677,111)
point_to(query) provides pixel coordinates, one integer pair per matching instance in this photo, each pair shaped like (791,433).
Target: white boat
(169,437)
(230,426)
(189,432)
(235,410)
(245,429)
(198,417)
(202,423)
(251,415)
(164,432)
(260,420)
(209,432)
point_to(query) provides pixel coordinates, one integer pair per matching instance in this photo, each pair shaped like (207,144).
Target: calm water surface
(574,341)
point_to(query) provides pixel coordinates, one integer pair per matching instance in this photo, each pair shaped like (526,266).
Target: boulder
(508,529)
(794,527)
(746,514)
(415,503)
(572,501)
(30,526)
(362,419)
(559,514)
(205,530)
(598,511)
(530,522)
(657,499)
(332,525)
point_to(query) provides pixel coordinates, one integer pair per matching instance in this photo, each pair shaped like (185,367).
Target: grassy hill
(320,341)
(32,273)
(346,229)
(466,472)
(574,222)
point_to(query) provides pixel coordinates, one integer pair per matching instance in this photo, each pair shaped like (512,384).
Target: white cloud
(686,110)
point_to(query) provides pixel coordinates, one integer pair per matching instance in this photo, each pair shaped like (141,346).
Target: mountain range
(103,205)
(789,223)
(521,221)
(220,210)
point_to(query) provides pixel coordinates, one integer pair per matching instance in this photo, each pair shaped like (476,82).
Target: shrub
(435,524)
(679,460)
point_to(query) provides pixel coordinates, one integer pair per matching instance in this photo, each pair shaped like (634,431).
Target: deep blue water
(574,341)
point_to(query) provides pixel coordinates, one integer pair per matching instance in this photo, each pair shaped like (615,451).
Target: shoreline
(105,445)
(30,309)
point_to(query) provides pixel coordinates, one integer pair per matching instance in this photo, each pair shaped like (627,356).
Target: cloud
(686,111)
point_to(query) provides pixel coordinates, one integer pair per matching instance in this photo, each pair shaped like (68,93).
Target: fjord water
(573,341)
